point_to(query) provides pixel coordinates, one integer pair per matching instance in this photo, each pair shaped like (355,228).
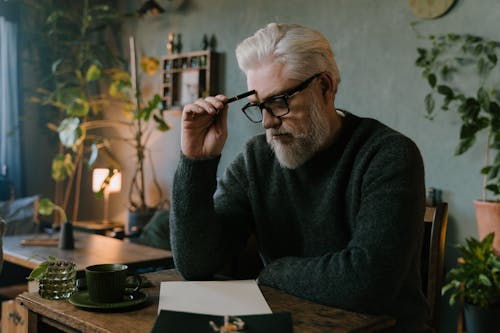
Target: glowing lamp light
(115,185)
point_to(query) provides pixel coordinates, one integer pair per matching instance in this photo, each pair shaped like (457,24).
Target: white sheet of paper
(234,297)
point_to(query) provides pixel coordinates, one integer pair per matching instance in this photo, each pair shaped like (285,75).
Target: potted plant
(66,237)
(147,116)
(463,76)
(476,282)
(87,76)
(70,48)
(56,278)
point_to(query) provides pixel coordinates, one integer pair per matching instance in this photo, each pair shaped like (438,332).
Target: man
(336,201)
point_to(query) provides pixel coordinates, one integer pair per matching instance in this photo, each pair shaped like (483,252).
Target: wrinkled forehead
(268,80)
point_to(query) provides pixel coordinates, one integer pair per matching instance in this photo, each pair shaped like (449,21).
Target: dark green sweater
(344,229)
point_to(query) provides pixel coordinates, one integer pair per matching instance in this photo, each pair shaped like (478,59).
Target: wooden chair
(432,265)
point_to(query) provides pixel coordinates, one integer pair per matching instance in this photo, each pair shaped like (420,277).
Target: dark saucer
(82,300)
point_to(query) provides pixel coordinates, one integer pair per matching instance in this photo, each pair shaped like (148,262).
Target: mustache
(276,132)
(273,131)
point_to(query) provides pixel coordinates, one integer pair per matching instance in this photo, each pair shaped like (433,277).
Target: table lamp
(99,175)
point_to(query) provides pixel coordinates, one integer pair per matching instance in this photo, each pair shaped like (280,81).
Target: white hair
(304,51)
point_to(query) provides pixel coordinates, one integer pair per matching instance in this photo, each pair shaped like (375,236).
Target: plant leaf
(94,152)
(161,124)
(38,273)
(62,167)
(445,90)
(69,131)
(93,73)
(465,145)
(429,103)
(484,280)
(431,78)
(45,206)
(494,188)
(483,98)
(486,169)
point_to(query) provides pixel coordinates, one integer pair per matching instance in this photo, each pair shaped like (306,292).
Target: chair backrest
(435,222)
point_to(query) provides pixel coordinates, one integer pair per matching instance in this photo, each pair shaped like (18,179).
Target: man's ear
(327,86)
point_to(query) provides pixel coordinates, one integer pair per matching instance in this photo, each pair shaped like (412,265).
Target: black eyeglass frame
(285,96)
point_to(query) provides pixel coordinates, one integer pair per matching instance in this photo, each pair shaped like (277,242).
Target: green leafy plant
(463,75)
(47,207)
(39,272)
(83,75)
(72,54)
(143,113)
(476,280)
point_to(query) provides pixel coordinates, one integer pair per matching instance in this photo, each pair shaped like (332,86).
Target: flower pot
(488,220)
(59,281)
(481,320)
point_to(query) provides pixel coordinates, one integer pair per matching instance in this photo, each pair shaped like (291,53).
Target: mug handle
(132,287)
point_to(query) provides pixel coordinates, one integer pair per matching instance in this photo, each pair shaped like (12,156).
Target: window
(10,136)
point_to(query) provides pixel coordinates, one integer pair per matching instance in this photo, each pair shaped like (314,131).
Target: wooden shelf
(187,77)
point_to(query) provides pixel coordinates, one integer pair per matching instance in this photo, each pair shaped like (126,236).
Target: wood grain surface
(90,249)
(307,316)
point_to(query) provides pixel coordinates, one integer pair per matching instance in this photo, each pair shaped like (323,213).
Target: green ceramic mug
(108,283)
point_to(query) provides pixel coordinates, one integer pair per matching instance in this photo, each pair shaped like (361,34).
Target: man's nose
(270,121)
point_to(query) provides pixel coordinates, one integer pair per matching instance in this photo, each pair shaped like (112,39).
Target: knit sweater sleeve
(386,229)
(203,235)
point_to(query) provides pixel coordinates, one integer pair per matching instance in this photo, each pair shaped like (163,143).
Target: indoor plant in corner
(86,84)
(147,116)
(476,282)
(73,59)
(463,74)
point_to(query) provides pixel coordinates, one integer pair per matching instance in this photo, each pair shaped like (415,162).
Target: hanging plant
(463,77)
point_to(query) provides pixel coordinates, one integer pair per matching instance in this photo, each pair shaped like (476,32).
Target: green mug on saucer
(108,283)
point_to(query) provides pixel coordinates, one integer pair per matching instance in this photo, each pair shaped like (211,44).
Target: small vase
(59,281)
(66,237)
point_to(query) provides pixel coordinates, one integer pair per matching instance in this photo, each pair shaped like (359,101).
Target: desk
(90,249)
(308,317)
(96,227)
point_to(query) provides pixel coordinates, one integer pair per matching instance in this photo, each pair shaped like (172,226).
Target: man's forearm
(195,235)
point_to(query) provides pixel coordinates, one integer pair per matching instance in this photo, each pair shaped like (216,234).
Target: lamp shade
(99,176)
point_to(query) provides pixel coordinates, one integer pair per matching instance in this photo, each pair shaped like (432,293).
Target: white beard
(305,144)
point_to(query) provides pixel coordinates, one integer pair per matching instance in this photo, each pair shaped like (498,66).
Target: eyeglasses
(276,105)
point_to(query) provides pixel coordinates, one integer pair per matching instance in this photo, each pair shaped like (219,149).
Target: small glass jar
(59,280)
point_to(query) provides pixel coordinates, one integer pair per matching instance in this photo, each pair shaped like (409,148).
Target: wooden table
(99,228)
(90,249)
(44,315)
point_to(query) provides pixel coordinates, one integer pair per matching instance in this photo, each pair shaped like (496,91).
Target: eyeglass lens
(277,107)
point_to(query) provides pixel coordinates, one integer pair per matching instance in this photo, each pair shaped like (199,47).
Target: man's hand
(204,127)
